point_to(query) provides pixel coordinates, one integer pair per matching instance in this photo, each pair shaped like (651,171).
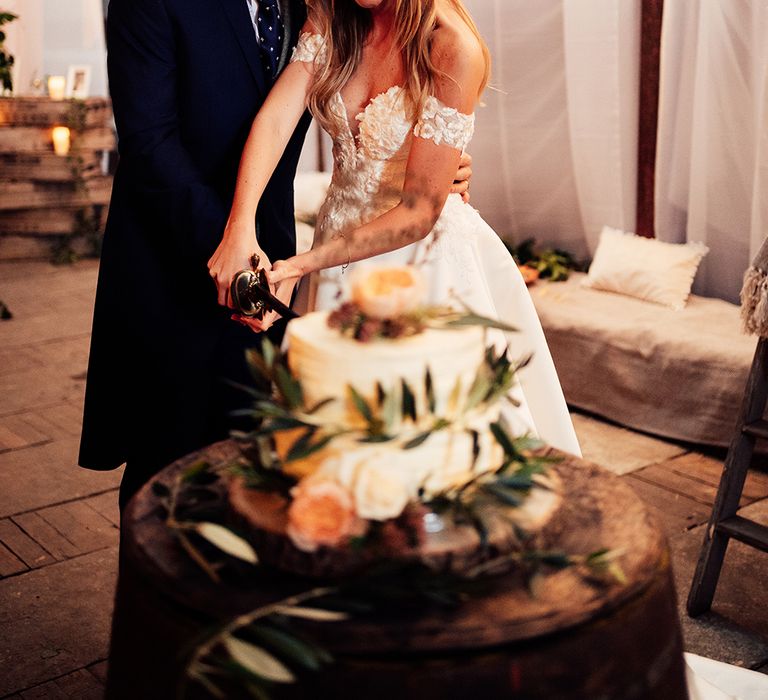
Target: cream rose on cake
(379,492)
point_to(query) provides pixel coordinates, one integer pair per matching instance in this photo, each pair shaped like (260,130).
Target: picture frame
(78,81)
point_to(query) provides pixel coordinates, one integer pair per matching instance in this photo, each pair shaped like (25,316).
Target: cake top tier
(327,362)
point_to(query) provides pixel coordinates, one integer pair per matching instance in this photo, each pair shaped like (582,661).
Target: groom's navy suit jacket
(186,81)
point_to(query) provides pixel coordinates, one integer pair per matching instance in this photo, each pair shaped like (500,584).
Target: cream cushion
(645,268)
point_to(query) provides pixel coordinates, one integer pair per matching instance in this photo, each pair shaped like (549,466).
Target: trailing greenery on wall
(6,59)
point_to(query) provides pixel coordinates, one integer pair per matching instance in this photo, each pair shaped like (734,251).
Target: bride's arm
(272,128)
(430,173)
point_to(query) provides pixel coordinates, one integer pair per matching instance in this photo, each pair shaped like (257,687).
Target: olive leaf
(227,541)
(258,366)
(319,405)
(473,319)
(317,614)
(258,661)
(520,482)
(454,397)
(504,495)
(268,352)
(429,391)
(478,391)
(475,447)
(304,447)
(504,440)
(420,439)
(389,410)
(289,387)
(291,648)
(409,402)
(361,404)
(380,394)
(196,470)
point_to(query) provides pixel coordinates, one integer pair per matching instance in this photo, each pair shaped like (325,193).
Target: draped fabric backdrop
(556,145)
(712,161)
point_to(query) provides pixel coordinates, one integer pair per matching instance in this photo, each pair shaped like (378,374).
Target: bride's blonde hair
(345,27)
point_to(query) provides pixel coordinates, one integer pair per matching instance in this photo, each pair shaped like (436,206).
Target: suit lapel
(286,15)
(240,19)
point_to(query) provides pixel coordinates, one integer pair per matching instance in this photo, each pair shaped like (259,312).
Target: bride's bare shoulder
(456,51)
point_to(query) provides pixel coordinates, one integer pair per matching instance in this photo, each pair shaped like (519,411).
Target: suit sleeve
(142,64)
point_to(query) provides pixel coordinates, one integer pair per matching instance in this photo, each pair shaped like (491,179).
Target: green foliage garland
(6,59)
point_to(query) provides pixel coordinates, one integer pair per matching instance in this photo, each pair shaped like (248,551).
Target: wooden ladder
(724,523)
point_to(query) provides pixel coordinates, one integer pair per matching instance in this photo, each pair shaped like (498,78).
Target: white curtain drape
(602,50)
(555,146)
(712,156)
(51,35)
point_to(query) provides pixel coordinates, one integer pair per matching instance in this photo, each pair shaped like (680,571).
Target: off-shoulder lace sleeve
(310,48)
(443,124)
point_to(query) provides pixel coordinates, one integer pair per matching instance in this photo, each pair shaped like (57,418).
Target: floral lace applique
(383,123)
(310,48)
(443,124)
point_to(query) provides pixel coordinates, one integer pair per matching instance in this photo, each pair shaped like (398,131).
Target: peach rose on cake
(322,513)
(387,292)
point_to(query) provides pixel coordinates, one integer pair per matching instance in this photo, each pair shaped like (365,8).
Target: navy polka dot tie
(270,28)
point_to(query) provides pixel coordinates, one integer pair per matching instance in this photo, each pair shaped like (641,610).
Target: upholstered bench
(678,374)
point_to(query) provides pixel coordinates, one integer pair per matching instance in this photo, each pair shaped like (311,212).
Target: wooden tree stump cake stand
(575,639)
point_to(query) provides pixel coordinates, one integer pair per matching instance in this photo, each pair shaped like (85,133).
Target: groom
(186,78)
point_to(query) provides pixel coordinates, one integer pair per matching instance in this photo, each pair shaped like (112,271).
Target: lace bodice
(369,167)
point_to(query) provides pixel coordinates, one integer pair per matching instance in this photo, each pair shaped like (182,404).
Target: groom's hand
(463,176)
(234,254)
(284,292)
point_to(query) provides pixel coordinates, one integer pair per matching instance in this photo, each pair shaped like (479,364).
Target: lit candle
(57,85)
(60,138)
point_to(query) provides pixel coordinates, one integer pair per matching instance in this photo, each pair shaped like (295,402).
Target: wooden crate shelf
(49,204)
(36,139)
(43,112)
(44,222)
(44,195)
(48,167)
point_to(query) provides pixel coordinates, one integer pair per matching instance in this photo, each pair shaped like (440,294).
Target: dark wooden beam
(650,49)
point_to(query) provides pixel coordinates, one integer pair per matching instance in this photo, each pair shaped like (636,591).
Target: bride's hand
(234,254)
(285,270)
(284,276)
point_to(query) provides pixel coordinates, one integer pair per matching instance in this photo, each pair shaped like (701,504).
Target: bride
(395,83)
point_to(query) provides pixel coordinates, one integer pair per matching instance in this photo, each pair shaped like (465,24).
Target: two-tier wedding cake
(385,437)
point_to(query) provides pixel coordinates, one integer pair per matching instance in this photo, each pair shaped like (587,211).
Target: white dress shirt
(253,8)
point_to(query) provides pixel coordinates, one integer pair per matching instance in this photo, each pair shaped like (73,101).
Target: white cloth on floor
(714,680)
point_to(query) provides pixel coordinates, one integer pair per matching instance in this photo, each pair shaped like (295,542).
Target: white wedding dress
(462,258)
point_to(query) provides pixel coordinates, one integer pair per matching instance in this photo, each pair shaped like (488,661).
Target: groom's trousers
(173,439)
